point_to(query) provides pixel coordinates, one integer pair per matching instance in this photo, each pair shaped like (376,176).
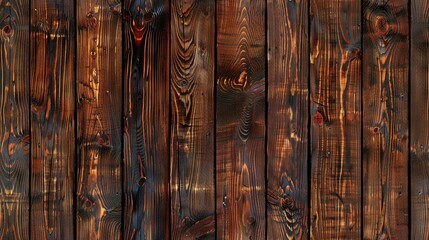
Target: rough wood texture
(192,123)
(287,128)
(335,81)
(419,127)
(52,78)
(146,149)
(99,78)
(240,126)
(14,119)
(385,124)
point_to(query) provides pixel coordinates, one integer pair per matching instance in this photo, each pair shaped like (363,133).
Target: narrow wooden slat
(287,126)
(146,107)
(385,119)
(385,124)
(419,127)
(99,79)
(192,123)
(14,119)
(335,80)
(240,124)
(52,113)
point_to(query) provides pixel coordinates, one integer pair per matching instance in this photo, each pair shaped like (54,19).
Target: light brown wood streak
(99,78)
(14,119)
(192,125)
(419,129)
(385,124)
(335,80)
(287,128)
(146,109)
(240,126)
(52,106)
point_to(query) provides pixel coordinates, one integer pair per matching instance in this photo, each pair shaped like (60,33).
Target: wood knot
(375,130)
(142,181)
(7,30)
(91,20)
(381,25)
(251,220)
(317,118)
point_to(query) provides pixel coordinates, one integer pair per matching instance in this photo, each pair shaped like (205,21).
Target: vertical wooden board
(335,108)
(146,109)
(14,119)
(99,79)
(287,128)
(52,112)
(419,130)
(192,123)
(240,120)
(385,119)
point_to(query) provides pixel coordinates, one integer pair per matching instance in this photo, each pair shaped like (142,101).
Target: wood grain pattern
(146,149)
(99,77)
(52,78)
(14,119)
(287,128)
(192,123)
(385,123)
(240,123)
(419,127)
(335,81)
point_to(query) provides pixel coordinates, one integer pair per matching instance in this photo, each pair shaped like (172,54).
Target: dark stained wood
(385,124)
(419,127)
(14,119)
(287,128)
(192,123)
(146,129)
(52,74)
(240,123)
(335,81)
(99,78)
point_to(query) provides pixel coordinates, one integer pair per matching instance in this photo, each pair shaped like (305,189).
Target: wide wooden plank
(335,108)
(240,119)
(419,126)
(146,109)
(52,75)
(14,119)
(192,123)
(287,128)
(385,119)
(99,106)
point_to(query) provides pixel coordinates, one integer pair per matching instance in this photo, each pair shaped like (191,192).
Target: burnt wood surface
(214,119)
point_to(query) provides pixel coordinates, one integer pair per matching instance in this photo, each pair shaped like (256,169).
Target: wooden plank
(14,119)
(335,108)
(99,76)
(146,149)
(192,123)
(240,120)
(287,128)
(419,130)
(385,121)
(52,54)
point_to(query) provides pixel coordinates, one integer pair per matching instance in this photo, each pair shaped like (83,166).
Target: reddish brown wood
(14,119)
(419,126)
(385,119)
(287,128)
(192,123)
(99,78)
(335,81)
(52,74)
(146,129)
(240,123)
